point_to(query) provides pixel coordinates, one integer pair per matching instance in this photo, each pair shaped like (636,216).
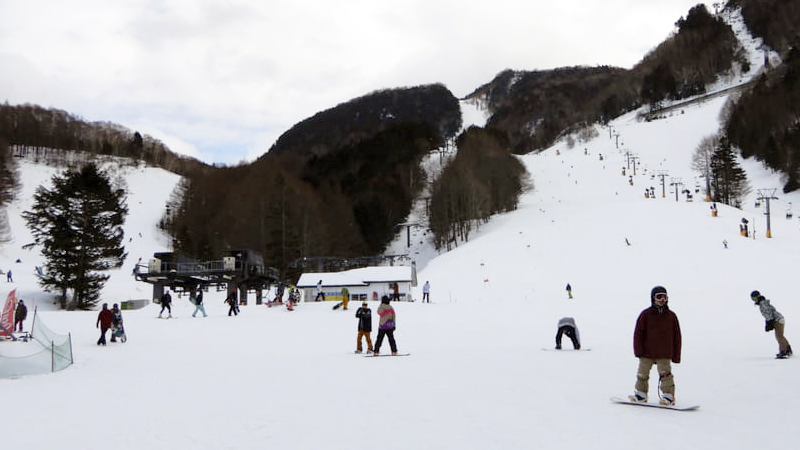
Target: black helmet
(754,294)
(657,290)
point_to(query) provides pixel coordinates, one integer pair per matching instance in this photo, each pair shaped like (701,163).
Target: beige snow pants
(664,367)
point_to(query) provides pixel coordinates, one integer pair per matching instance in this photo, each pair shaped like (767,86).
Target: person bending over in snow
(567,326)
(775,322)
(656,340)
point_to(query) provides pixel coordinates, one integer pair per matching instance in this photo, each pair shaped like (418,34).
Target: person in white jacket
(774,321)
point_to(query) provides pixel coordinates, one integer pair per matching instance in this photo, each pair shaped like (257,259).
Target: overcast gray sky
(220,80)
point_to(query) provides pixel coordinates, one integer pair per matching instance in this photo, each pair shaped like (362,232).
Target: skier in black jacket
(166,301)
(364,315)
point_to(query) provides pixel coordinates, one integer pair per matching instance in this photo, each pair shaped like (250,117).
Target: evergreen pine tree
(728,180)
(9,177)
(78,223)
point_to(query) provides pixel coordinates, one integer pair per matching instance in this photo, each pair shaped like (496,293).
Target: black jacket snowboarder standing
(166,303)
(364,315)
(231,301)
(20,314)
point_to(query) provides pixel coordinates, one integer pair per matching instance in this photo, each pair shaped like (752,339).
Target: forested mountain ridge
(337,182)
(37,131)
(534,108)
(764,122)
(349,122)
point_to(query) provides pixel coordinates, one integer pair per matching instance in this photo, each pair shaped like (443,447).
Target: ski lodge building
(366,283)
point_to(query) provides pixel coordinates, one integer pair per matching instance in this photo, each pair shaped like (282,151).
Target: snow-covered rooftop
(357,277)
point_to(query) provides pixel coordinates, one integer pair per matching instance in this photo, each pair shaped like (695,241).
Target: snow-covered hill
(477,377)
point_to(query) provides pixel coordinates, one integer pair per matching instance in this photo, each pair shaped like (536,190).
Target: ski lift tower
(767,196)
(676,183)
(408,230)
(663,174)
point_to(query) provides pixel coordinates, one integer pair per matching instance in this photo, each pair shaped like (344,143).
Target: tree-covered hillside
(534,108)
(337,183)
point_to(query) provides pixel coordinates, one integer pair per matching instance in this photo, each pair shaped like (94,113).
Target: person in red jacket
(657,340)
(104,321)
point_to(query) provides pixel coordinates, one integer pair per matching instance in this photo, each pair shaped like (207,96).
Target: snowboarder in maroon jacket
(104,321)
(657,340)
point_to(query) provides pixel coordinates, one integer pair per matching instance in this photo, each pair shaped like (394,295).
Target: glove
(770,325)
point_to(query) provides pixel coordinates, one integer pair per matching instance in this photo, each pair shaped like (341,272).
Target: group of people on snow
(657,337)
(387,323)
(657,341)
(110,319)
